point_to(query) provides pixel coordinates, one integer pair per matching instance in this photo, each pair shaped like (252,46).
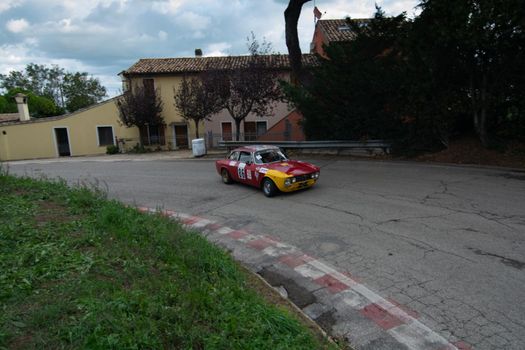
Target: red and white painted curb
(395,319)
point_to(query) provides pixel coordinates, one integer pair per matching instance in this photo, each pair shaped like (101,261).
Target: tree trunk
(483,134)
(479,107)
(196,128)
(237,129)
(291,17)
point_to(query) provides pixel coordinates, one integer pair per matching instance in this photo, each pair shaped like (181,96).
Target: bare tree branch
(198,98)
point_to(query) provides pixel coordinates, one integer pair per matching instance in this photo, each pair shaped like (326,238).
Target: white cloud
(69,25)
(167,6)
(145,38)
(65,26)
(162,35)
(343,8)
(82,9)
(6,4)
(394,8)
(14,57)
(193,21)
(217,49)
(17,25)
(104,37)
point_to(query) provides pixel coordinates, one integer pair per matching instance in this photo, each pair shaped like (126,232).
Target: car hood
(292,167)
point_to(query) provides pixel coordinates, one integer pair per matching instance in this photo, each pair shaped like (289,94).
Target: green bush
(138,148)
(112,149)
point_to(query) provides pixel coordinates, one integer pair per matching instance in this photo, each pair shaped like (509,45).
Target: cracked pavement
(445,242)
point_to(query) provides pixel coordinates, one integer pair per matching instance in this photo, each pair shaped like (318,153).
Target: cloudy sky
(104,37)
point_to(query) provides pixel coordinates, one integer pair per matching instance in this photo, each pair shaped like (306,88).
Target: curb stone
(342,306)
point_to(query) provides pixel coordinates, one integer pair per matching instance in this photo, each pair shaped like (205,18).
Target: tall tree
(70,90)
(140,106)
(39,106)
(353,94)
(250,89)
(483,42)
(291,18)
(199,97)
(81,90)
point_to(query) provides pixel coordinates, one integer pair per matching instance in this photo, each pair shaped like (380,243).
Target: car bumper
(295,186)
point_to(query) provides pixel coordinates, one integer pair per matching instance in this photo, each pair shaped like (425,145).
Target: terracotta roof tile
(180,65)
(335,29)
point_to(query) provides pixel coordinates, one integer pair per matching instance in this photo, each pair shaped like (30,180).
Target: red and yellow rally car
(268,168)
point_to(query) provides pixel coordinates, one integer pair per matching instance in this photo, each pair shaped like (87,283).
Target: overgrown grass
(79,271)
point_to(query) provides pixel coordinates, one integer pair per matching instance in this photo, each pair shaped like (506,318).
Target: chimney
(21,104)
(198,53)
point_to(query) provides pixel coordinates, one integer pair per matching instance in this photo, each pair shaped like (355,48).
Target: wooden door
(62,140)
(181,136)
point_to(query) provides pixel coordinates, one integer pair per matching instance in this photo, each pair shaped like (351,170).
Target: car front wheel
(226,178)
(269,188)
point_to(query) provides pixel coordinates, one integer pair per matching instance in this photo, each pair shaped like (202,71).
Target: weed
(80,271)
(112,149)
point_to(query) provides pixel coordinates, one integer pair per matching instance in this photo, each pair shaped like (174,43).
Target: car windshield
(269,156)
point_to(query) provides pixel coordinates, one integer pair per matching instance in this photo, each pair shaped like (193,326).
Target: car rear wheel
(226,178)
(269,188)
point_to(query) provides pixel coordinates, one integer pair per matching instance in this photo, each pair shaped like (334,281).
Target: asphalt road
(445,241)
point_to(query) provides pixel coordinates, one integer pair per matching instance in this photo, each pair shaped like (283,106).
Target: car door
(243,165)
(231,164)
(249,171)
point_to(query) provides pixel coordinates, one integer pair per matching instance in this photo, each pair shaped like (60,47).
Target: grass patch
(80,271)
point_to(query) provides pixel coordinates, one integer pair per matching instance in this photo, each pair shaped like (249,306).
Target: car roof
(254,148)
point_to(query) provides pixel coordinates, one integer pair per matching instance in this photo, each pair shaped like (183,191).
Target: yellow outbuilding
(85,132)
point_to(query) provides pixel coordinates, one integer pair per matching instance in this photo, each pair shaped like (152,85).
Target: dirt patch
(326,320)
(21,192)
(49,211)
(299,296)
(272,297)
(470,151)
(21,341)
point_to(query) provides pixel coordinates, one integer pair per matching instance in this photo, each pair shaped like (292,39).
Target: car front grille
(300,178)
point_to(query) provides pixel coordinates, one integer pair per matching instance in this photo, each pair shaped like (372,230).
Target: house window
(105,135)
(152,135)
(149,86)
(261,128)
(252,130)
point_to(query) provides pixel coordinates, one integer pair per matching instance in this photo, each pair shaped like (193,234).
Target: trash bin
(199,147)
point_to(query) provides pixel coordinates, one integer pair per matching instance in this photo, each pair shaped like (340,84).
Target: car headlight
(289,181)
(315,175)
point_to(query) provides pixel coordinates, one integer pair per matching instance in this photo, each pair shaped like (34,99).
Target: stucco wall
(280,111)
(36,139)
(214,125)
(165,84)
(171,115)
